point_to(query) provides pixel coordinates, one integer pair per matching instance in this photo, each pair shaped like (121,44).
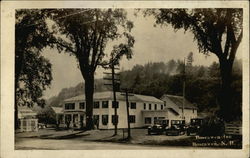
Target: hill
(66,93)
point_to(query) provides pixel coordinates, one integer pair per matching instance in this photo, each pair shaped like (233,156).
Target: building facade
(143,111)
(179,109)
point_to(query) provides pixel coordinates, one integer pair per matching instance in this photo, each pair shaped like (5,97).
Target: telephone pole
(183,88)
(115,86)
(127,103)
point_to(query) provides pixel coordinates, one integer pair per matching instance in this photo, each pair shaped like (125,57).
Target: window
(133,105)
(149,107)
(115,104)
(161,107)
(144,106)
(155,106)
(132,118)
(82,105)
(193,110)
(105,119)
(105,104)
(148,120)
(96,105)
(69,106)
(115,119)
(165,104)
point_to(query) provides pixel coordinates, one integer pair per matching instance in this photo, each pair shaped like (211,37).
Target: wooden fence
(233,129)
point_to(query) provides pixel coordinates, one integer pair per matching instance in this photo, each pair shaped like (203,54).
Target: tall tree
(32,71)
(217,31)
(85,33)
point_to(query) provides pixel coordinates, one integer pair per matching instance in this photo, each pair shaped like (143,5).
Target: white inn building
(144,110)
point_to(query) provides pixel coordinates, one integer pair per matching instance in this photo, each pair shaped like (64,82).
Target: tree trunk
(18,67)
(225,97)
(89,92)
(16,114)
(16,106)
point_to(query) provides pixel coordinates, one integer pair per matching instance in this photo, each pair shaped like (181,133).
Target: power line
(61,17)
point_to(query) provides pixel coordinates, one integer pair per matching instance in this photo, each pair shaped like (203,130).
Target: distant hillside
(66,93)
(127,78)
(156,79)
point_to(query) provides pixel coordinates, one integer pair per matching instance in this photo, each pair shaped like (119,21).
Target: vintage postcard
(124,79)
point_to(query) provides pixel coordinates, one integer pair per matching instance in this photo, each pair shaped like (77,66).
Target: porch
(71,119)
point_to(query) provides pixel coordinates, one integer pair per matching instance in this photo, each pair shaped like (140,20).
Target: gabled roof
(57,110)
(173,111)
(109,95)
(178,100)
(145,98)
(25,112)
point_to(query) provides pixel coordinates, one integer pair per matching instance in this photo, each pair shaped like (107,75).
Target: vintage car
(159,127)
(195,126)
(177,127)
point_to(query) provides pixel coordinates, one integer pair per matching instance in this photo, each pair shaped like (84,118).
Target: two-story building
(73,110)
(143,110)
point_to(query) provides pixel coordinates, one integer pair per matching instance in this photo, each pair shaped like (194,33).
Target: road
(75,144)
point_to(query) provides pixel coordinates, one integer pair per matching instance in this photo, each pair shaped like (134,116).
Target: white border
(7,80)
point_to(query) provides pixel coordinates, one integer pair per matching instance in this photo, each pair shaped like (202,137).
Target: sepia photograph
(129,78)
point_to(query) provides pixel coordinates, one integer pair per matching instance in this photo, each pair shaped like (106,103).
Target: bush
(213,126)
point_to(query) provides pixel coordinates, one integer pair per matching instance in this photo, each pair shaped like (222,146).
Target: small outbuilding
(27,118)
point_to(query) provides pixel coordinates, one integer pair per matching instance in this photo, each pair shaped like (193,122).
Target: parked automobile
(195,126)
(159,127)
(155,129)
(212,126)
(177,127)
(41,126)
(173,130)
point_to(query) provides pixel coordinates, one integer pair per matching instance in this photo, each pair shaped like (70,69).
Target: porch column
(79,122)
(72,119)
(56,118)
(21,125)
(63,119)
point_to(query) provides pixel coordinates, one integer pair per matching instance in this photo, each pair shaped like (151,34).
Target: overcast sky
(152,44)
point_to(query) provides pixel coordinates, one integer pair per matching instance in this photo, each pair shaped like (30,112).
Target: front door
(81,121)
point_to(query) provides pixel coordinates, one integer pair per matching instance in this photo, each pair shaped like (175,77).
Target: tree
(217,31)
(32,71)
(214,70)
(46,115)
(85,33)
(190,59)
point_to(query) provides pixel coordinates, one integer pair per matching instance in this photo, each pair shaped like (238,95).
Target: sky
(152,44)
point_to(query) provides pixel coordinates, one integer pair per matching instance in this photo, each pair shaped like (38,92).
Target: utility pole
(127,103)
(183,88)
(115,87)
